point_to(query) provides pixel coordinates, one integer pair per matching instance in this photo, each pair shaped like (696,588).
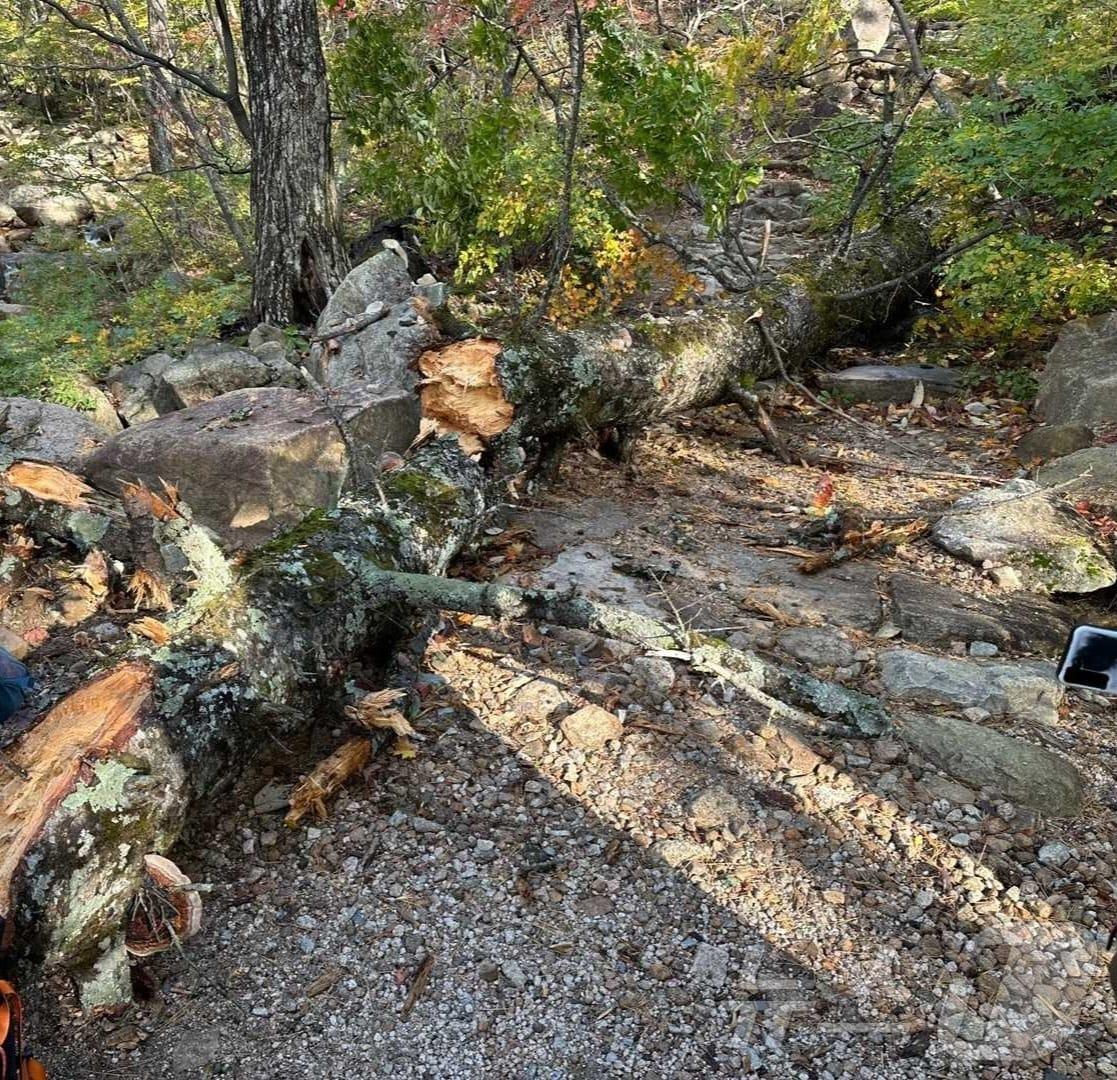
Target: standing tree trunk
(159,150)
(299,255)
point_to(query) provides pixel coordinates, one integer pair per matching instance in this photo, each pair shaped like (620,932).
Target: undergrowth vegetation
(537,152)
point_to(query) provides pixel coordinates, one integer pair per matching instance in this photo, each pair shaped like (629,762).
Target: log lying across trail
(111,772)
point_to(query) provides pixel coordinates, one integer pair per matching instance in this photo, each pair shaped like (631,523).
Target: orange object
(13,1064)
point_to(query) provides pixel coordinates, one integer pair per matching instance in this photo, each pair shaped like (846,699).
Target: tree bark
(300,258)
(159,148)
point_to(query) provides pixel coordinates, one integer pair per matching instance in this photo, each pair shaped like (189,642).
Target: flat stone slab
(255,462)
(931,614)
(1006,767)
(892,383)
(1026,690)
(1027,537)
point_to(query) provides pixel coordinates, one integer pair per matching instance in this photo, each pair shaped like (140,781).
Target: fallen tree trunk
(113,770)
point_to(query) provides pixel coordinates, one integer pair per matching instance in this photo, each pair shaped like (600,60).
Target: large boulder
(254,462)
(1089,474)
(41,431)
(139,391)
(1028,538)
(1079,382)
(161,384)
(1022,690)
(931,614)
(1050,441)
(40,205)
(381,355)
(210,370)
(1004,767)
(869,26)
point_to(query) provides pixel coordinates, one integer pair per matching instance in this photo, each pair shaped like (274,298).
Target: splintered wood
(326,779)
(461,394)
(94,720)
(48,483)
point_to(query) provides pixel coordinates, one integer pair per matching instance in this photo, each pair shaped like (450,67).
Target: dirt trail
(706,895)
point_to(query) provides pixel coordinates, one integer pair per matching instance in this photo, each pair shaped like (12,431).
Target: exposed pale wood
(93,721)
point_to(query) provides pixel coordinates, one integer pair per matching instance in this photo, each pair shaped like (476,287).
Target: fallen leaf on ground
(324,982)
(326,779)
(404,748)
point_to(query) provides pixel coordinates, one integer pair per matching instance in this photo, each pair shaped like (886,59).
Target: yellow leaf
(404,748)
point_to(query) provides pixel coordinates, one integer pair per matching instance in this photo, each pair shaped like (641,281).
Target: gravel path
(691,892)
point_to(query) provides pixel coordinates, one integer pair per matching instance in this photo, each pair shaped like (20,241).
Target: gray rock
(817,647)
(591,727)
(983,649)
(932,614)
(209,371)
(1007,767)
(1079,381)
(1026,690)
(139,390)
(515,974)
(713,808)
(382,356)
(254,462)
(1048,442)
(1054,853)
(870,26)
(1021,528)
(655,674)
(8,216)
(895,383)
(710,964)
(41,431)
(39,205)
(265,333)
(1086,474)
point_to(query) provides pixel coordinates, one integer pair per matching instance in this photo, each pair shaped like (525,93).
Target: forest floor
(699,897)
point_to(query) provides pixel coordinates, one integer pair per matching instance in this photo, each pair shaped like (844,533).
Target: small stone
(983,648)
(1054,853)
(306,944)
(514,974)
(713,808)
(487,971)
(654,673)
(711,964)
(591,727)
(960,839)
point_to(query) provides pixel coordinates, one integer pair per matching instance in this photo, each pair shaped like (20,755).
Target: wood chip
(418,983)
(326,779)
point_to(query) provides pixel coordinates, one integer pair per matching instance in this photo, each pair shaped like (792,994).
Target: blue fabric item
(15,681)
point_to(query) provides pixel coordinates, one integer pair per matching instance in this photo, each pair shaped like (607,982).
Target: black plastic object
(15,681)
(1090,659)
